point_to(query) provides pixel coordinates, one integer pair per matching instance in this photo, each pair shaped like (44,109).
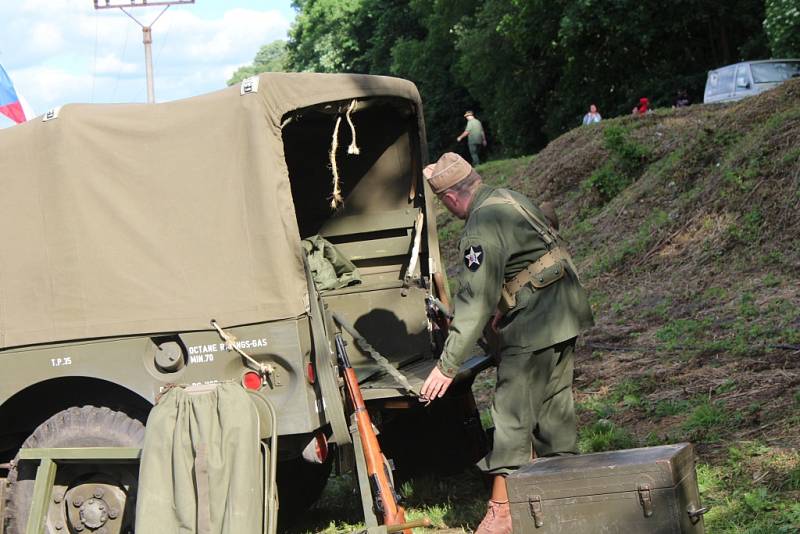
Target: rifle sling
(381,360)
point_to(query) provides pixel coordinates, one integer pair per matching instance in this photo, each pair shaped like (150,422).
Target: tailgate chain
(381,360)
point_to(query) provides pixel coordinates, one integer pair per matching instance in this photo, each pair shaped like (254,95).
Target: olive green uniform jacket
(474,130)
(497,243)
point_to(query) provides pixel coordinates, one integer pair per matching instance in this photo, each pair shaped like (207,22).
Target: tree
(782,24)
(617,51)
(508,63)
(428,59)
(322,38)
(272,57)
(530,68)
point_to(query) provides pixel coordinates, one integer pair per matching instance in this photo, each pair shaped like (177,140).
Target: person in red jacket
(643,107)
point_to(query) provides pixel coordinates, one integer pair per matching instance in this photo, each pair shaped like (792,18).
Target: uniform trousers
(474,153)
(533,408)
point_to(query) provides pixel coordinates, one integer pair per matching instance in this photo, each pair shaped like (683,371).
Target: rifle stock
(377,470)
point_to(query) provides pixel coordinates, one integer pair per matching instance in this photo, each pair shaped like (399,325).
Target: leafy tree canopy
(782,24)
(272,57)
(530,68)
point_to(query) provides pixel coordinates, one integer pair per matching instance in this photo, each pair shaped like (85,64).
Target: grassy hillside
(685,225)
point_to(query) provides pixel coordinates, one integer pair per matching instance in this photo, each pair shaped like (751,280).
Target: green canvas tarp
(131,219)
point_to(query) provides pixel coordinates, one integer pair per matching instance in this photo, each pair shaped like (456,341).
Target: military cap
(447,172)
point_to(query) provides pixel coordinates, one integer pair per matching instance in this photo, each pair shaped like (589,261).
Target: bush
(607,181)
(625,164)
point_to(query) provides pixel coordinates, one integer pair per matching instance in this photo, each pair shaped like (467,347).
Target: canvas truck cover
(136,218)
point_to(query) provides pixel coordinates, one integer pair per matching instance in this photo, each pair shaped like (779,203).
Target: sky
(62,51)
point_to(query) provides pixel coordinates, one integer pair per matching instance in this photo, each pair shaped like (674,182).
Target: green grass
(500,172)
(599,408)
(746,328)
(604,435)
(638,244)
(714,293)
(670,407)
(680,333)
(457,501)
(747,229)
(743,499)
(708,420)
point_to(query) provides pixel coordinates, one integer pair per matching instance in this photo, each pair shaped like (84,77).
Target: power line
(122,61)
(147,35)
(94,66)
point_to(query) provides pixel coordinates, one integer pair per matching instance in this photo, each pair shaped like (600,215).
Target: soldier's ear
(449,199)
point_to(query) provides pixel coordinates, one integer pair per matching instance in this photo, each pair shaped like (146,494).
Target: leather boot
(497,519)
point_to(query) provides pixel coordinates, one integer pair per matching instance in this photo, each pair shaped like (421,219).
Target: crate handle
(696,513)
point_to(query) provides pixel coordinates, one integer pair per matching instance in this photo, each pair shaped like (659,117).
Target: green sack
(200,469)
(330,269)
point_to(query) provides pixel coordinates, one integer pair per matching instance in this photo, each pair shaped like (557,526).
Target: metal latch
(695,514)
(645,499)
(535,504)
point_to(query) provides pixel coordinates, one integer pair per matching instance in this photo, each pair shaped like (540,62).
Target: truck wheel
(300,484)
(86,497)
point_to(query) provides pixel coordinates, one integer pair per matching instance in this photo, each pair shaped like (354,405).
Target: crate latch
(535,503)
(645,499)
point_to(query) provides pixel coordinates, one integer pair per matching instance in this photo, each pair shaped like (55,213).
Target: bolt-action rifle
(383,492)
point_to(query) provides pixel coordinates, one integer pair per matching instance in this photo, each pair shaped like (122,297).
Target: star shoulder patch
(473,257)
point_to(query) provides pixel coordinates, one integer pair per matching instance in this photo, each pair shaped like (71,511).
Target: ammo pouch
(546,270)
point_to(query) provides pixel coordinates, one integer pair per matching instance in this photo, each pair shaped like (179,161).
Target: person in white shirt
(593,116)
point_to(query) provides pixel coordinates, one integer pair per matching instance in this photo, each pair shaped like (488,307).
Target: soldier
(475,135)
(515,267)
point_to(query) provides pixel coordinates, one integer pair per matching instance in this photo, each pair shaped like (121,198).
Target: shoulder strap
(548,234)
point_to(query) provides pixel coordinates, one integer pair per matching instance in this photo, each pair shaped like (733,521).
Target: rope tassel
(353,148)
(336,195)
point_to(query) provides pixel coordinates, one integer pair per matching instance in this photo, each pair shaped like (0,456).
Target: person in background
(593,116)
(515,271)
(643,107)
(682,99)
(475,135)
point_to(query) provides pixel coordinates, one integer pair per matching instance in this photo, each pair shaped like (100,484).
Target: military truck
(150,245)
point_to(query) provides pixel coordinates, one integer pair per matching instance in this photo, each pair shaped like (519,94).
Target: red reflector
(251,380)
(310,373)
(321,447)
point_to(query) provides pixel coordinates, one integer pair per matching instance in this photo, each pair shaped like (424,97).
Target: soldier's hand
(435,385)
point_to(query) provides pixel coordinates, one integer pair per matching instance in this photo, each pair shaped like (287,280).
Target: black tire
(300,484)
(88,426)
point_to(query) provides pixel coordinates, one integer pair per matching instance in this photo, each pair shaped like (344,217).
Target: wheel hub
(94,507)
(94,513)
